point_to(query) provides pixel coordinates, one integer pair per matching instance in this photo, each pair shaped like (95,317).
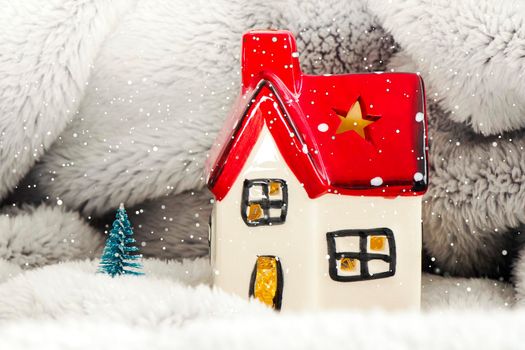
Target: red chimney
(270,54)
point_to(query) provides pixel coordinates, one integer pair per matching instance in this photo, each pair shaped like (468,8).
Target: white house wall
(402,215)
(301,243)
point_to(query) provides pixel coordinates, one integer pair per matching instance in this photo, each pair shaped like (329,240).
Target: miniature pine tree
(118,256)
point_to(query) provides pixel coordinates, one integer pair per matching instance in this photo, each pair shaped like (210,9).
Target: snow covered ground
(70,306)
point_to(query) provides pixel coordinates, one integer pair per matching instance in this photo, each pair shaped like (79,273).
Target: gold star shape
(354,121)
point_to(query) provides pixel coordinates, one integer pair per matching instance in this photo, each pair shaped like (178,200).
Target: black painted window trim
(266,203)
(363,256)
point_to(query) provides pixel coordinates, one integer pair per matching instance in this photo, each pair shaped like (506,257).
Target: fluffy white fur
(470,53)
(8,270)
(75,289)
(173,298)
(172,290)
(519,272)
(47,52)
(31,237)
(173,226)
(455,331)
(462,294)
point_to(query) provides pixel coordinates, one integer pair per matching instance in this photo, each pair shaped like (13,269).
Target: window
(264,202)
(356,255)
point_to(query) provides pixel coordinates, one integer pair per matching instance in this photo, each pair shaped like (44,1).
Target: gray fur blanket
(103,102)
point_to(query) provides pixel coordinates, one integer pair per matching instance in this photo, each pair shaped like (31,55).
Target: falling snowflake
(323,127)
(376,181)
(418,176)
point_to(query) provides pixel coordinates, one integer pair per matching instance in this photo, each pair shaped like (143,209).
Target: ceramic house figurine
(318,183)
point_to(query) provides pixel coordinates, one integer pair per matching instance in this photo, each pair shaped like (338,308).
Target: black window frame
(266,202)
(363,256)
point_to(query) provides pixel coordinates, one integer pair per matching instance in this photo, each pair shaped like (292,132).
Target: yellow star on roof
(353,121)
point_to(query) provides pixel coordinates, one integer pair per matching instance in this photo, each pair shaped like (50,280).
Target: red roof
(308,117)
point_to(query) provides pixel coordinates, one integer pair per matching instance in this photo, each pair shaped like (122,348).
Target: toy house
(318,183)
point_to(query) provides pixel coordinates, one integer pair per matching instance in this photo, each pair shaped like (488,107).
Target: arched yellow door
(266,283)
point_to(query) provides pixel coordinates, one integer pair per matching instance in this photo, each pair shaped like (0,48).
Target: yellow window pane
(377,242)
(255,212)
(348,264)
(274,188)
